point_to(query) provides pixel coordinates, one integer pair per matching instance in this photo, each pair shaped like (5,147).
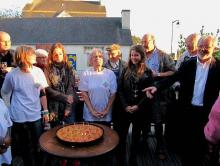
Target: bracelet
(45,112)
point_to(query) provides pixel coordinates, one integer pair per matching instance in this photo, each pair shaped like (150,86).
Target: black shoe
(133,162)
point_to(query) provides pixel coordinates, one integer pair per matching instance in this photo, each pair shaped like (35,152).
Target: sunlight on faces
(206,48)
(114,54)
(192,43)
(31,59)
(5,42)
(57,55)
(191,47)
(97,59)
(148,43)
(135,57)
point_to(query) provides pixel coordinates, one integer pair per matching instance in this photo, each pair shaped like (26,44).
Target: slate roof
(71,30)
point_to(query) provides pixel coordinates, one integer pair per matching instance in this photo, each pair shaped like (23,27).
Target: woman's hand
(104,113)
(134,108)
(128,109)
(2,149)
(46,118)
(52,116)
(66,113)
(69,99)
(96,114)
(6,143)
(131,109)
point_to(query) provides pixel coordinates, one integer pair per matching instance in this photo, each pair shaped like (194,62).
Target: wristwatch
(158,74)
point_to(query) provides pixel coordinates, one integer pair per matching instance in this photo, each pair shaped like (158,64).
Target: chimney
(125,19)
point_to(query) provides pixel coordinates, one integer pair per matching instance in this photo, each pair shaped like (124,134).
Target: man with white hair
(200,85)
(191,49)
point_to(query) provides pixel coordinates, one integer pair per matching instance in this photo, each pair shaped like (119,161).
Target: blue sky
(156,16)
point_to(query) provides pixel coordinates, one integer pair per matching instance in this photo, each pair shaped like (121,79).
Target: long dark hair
(141,66)
(50,55)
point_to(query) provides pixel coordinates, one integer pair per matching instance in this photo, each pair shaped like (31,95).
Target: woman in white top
(5,140)
(98,86)
(27,83)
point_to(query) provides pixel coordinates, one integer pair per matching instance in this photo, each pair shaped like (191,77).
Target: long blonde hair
(21,54)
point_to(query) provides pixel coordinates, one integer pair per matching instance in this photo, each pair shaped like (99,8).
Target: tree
(10,13)
(136,40)
(181,44)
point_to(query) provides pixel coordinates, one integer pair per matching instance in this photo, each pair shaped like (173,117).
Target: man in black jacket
(6,55)
(200,85)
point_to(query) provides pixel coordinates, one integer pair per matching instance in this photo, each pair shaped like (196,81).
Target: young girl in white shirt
(5,139)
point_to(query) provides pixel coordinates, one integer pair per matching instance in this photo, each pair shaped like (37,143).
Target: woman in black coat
(135,106)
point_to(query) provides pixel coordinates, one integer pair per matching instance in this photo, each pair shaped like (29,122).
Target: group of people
(39,90)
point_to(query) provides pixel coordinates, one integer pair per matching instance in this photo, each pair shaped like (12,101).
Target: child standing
(5,139)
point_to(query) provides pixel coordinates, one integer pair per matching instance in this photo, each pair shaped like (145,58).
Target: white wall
(79,50)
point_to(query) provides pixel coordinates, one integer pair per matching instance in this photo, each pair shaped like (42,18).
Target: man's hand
(150,91)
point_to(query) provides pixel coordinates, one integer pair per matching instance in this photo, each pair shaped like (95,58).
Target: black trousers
(192,125)
(25,138)
(138,121)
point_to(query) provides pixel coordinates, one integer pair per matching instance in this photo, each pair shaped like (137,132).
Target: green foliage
(217,53)
(136,40)
(10,13)
(181,45)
